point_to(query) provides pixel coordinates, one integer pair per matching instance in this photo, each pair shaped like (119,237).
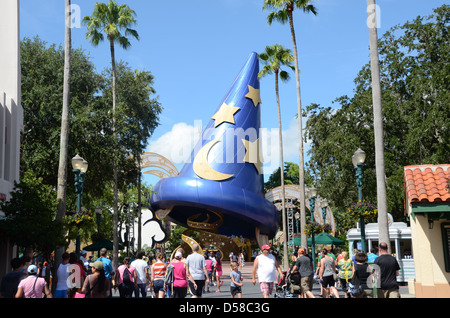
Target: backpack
(126,277)
(168,276)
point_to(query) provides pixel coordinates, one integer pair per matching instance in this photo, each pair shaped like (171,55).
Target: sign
(390,219)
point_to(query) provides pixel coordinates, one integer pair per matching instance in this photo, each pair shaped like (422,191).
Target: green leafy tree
(90,121)
(284,12)
(274,58)
(414,65)
(30,216)
(115,21)
(290,177)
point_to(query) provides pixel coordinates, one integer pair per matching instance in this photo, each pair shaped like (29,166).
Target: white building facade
(11,112)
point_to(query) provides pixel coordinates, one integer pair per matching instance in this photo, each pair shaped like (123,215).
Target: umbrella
(102,243)
(297,241)
(326,239)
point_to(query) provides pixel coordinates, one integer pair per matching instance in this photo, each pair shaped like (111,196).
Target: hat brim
(243,210)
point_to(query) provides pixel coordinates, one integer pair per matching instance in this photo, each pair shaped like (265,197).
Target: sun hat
(32,269)
(265,247)
(97,265)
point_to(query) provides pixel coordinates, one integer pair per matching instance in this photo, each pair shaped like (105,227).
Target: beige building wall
(11,112)
(432,280)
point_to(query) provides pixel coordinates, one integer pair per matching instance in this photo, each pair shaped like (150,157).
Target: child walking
(236,279)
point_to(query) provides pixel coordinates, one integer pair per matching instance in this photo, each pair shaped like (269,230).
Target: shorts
(179,292)
(266,287)
(306,283)
(235,290)
(328,281)
(158,285)
(60,293)
(197,292)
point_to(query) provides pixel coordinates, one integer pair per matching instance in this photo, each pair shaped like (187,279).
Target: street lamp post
(297,217)
(98,213)
(80,167)
(358,162)
(312,206)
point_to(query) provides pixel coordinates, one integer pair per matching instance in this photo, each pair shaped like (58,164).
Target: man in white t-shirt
(143,276)
(265,266)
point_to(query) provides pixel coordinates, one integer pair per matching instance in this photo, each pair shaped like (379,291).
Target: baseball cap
(265,247)
(178,255)
(97,265)
(32,269)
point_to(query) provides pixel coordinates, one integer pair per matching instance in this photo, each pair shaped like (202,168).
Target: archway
(292,193)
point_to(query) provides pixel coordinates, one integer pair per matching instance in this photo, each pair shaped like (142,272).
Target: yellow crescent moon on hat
(203,169)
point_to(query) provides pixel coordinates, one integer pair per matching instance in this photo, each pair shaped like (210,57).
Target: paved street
(253,291)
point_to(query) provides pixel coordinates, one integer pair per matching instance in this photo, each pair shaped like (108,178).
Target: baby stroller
(281,287)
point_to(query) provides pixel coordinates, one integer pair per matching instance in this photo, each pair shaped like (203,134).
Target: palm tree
(284,13)
(383,227)
(273,58)
(64,138)
(115,21)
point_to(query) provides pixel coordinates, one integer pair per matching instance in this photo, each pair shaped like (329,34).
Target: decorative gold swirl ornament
(205,225)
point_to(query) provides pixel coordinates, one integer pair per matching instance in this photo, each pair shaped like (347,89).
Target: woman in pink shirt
(33,286)
(180,276)
(127,279)
(218,267)
(209,268)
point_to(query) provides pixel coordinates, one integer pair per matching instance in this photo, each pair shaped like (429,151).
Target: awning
(434,211)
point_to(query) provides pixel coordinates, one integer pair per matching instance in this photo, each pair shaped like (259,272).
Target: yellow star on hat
(254,95)
(252,154)
(225,114)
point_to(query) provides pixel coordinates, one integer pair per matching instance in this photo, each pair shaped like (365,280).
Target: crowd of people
(371,275)
(363,276)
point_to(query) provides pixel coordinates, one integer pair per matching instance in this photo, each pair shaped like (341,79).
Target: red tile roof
(427,183)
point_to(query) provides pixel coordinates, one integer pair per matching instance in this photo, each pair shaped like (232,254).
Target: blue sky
(196,48)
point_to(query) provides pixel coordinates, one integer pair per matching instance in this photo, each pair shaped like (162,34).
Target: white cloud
(177,144)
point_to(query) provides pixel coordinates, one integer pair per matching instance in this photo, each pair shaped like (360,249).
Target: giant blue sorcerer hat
(221,187)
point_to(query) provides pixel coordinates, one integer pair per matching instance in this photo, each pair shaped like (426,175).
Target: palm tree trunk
(378,127)
(301,171)
(115,205)
(283,192)
(64,138)
(139,247)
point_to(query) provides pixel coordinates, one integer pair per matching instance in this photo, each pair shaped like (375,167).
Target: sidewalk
(253,291)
